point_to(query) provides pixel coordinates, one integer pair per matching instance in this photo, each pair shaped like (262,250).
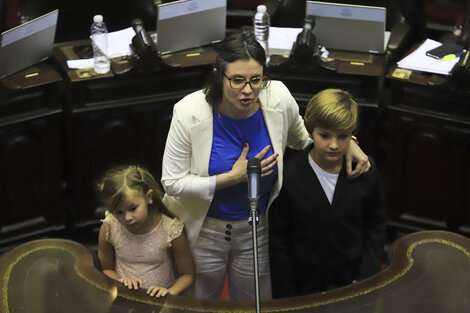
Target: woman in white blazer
(214,131)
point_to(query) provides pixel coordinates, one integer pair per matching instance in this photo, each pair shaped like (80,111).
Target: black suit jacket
(315,246)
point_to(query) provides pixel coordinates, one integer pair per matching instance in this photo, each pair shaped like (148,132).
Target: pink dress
(144,256)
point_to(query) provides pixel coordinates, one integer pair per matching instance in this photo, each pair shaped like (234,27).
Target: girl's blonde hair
(119,180)
(331,109)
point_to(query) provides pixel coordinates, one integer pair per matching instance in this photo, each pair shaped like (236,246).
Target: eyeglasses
(257,82)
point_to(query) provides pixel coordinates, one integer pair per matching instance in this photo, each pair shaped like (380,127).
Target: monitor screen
(76,17)
(348,27)
(188,24)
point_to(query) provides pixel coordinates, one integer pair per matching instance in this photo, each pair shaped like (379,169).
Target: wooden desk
(428,272)
(427,167)
(122,65)
(41,74)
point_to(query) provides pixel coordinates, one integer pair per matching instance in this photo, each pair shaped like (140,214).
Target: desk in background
(427,152)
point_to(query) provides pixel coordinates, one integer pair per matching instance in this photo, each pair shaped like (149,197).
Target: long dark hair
(240,46)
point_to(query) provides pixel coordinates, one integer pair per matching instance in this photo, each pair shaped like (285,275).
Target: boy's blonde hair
(333,109)
(119,180)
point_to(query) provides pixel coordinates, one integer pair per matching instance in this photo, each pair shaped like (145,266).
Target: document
(419,61)
(119,42)
(80,63)
(281,39)
(118,46)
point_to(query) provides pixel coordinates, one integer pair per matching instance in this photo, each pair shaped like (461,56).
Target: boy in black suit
(325,230)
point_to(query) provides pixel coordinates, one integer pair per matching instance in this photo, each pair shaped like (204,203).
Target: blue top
(230,135)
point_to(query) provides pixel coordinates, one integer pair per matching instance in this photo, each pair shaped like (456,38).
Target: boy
(325,230)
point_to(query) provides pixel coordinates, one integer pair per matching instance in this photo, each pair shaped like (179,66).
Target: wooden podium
(428,272)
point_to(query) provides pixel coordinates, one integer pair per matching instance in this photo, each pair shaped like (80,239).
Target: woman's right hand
(239,167)
(238,172)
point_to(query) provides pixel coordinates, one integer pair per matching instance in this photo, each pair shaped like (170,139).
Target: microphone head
(309,22)
(137,24)
(253,166)
(137,21)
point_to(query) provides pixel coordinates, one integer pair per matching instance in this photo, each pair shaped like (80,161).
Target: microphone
(304,48)
(305,35)
(145,55)
(138,27)
(253,171)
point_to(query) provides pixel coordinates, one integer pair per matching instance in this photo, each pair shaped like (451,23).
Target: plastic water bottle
(99,41)
(261,23)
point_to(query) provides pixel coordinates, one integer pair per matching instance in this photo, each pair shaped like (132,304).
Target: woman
(238,115)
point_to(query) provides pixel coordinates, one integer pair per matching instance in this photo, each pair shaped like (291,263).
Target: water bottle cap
(98,18)
(261,8)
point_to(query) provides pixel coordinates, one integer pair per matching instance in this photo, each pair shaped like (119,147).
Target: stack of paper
(118,46)
(419,61)
(281,39)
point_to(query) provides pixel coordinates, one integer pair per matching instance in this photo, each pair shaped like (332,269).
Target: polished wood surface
(428,272)
(427,136)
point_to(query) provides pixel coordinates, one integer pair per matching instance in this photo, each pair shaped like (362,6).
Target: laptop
(27,44)
(188,24)
(349,27)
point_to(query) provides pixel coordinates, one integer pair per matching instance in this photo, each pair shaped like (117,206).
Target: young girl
(139,240)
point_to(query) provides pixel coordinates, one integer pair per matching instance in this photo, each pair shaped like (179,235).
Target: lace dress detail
(144,256)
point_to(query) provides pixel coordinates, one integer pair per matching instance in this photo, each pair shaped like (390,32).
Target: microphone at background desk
(145,54)
(305,50)
(141,41)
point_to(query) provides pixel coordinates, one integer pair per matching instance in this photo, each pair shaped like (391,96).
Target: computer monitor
(76,17)
(27,44)
(187,24)
(349,27)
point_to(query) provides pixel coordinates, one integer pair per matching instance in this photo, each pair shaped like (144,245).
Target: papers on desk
(118,46)
(119,42)
(419,61)
(281,39)
(80,63)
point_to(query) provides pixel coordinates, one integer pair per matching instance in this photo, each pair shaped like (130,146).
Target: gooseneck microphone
(145,56)
(305,37)
(253,171)
(139,29)
(305,49)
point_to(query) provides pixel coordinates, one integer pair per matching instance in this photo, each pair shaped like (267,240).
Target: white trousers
(226,248)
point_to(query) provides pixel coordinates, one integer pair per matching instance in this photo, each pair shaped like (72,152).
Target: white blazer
(185,170)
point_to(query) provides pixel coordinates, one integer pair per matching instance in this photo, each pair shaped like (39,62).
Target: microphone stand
(253,205)
(254,172)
